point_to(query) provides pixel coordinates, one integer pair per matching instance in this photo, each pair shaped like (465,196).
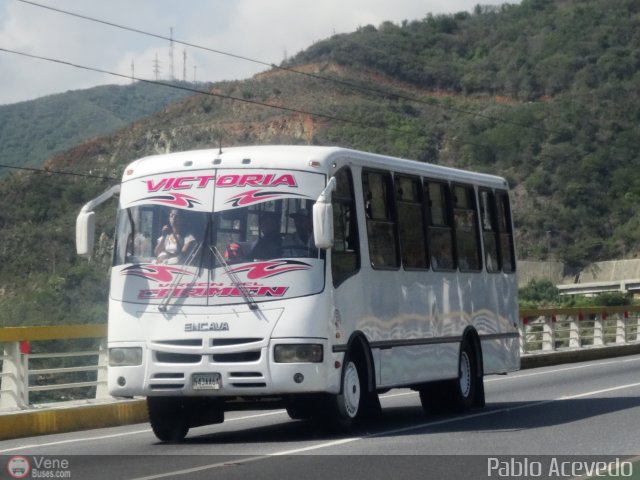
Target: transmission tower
(172,76)
(184,65)
(156,67)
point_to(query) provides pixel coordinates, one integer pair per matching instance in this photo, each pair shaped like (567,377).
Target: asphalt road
(537,422)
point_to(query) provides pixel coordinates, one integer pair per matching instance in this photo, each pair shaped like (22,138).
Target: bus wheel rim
(465,375)
(351,390)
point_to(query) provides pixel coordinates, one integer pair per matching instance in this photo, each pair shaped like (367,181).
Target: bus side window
(345,253)
(440,227)
(409,201)
(507,249)
(381,226)
(489,223)
(466,227)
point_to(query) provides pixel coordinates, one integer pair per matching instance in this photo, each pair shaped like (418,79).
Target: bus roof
(295,157)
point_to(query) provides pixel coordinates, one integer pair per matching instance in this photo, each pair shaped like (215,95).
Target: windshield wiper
(178,278)
(246,295)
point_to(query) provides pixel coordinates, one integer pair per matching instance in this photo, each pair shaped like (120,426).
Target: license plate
(206,381)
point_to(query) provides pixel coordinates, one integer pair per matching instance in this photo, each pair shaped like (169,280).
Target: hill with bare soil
(545,93)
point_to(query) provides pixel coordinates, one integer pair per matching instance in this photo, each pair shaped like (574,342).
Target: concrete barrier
(69,418)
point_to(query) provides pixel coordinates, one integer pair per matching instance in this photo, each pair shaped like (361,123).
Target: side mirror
(86,222)
(323,225)
(85,233)
(323,217)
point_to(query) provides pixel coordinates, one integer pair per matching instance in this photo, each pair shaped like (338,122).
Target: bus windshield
(165,235)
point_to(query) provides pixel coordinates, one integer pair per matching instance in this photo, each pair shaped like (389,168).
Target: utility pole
(133,71)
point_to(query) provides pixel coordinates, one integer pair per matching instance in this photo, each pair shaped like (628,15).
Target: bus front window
(278,229)
(165,235)
(159,234)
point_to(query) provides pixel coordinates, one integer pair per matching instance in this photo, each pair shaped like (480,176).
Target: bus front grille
(239,357)
(184,358)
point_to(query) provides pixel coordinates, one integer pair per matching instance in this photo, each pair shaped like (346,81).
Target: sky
(264,30)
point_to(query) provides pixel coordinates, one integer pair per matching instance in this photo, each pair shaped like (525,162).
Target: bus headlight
(125,357)
(298,353)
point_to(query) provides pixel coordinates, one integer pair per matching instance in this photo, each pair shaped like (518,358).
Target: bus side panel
(398,306)
(500,354)
(433,308)
(413,364)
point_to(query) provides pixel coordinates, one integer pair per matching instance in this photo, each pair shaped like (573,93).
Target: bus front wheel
(168,418)
(344,407)
(348,401)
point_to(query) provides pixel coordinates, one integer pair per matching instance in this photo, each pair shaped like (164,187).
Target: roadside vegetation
(545,93)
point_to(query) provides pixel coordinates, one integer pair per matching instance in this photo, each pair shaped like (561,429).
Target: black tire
(298,412)
(459,394)
(168,418)
(302,408)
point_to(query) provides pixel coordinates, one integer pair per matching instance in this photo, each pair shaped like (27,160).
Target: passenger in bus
(300,243)
(174,243)
(269,245)
(441,254)
(234,253)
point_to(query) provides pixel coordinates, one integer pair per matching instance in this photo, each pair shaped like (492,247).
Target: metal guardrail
(33,363)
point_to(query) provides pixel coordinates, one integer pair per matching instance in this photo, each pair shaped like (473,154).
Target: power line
(251,102)
(58,172)
(237,99)
(218,95)
(361,88)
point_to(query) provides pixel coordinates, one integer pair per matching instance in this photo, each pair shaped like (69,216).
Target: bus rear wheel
(168,418)
(464,389)
(459,394)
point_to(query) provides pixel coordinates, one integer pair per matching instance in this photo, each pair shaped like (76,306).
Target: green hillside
(546,93)
(567,132)
(33,131)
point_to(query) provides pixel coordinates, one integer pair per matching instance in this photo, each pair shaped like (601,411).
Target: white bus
(306,278)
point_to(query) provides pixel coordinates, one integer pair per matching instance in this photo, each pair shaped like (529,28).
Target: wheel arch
(359,349)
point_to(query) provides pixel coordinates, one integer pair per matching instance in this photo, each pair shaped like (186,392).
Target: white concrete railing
(565,329)
(542,331)
(29,363)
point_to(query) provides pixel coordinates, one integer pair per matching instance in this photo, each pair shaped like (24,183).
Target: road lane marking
(520,373)
(74,440)
(136,432)
(382,397)
(242,461)
(386,432)
(596,392)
